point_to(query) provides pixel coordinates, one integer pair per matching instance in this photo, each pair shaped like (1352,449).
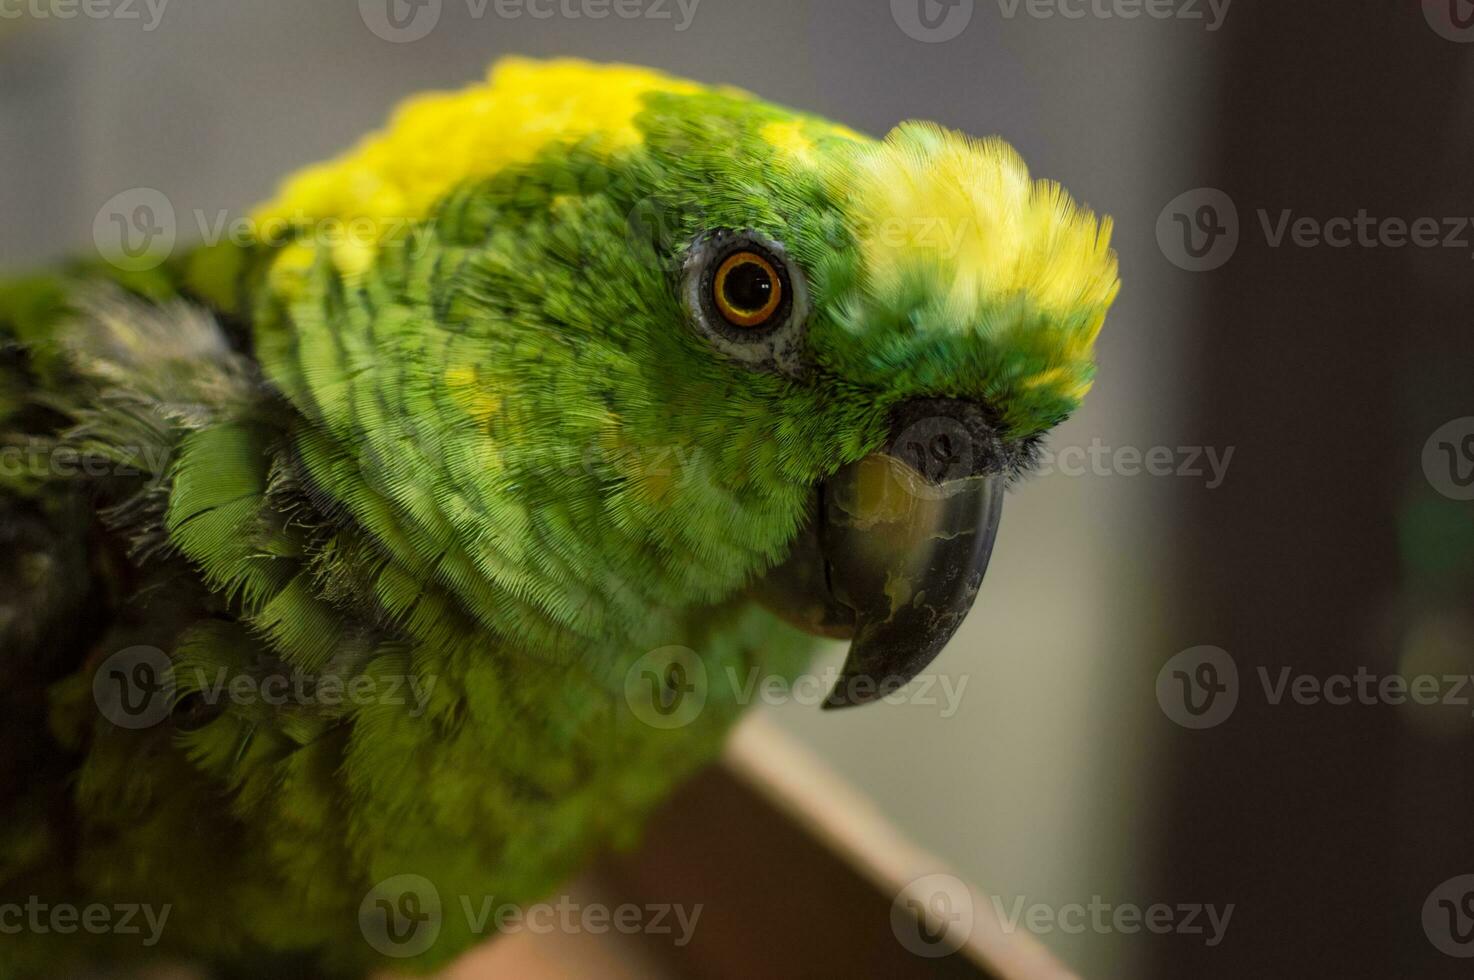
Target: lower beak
(896,550)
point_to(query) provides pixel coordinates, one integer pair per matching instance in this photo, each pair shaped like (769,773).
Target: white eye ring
(776,346)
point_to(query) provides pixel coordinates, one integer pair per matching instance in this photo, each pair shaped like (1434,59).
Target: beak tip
(836,701)
(856,690)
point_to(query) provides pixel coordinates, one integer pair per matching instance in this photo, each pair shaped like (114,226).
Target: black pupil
(748,287)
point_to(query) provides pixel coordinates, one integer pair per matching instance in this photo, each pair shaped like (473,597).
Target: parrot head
(636,344)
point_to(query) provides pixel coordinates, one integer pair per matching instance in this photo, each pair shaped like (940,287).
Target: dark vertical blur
(1329,369)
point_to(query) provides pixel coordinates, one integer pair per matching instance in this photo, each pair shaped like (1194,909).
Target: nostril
(947,439)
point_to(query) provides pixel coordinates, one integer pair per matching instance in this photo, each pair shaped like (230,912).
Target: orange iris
(747,290)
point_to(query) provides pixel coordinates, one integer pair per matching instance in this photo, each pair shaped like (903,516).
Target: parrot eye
(747,290)
(747,299)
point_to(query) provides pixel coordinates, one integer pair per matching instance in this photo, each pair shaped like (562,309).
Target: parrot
(411,543)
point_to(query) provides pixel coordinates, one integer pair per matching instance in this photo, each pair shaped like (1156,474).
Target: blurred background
(1267,492)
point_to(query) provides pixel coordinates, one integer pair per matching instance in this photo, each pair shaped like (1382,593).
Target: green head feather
(481,310)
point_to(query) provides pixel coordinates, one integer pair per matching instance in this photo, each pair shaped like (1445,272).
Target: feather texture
(469,467)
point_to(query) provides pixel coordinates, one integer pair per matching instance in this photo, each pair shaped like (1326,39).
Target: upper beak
(897,548)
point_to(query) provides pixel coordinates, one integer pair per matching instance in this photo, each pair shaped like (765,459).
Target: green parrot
(411,543)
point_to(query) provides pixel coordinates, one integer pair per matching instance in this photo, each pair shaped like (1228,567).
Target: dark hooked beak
(896,550)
